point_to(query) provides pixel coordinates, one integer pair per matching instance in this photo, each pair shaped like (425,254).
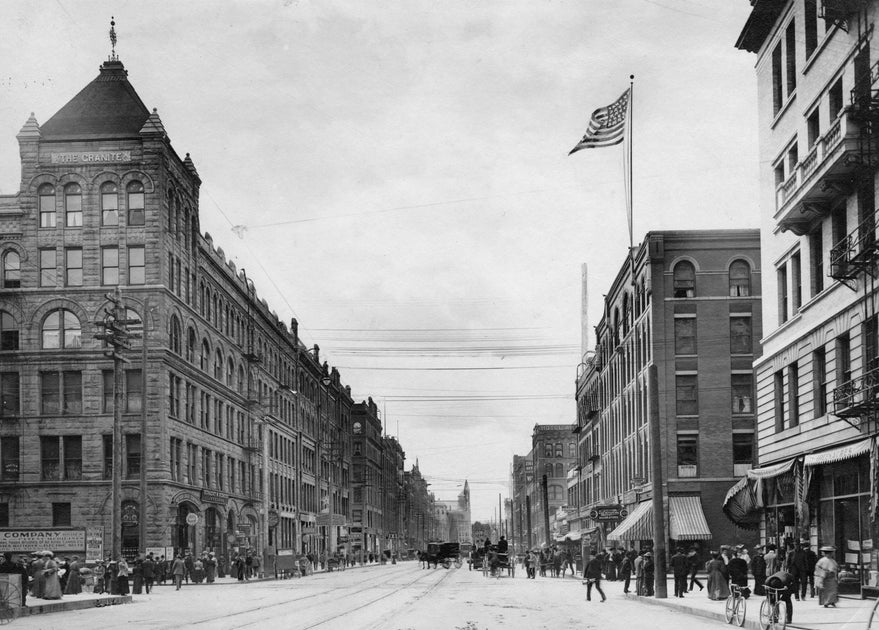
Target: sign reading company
(18,540)
(608,513)
(87,157)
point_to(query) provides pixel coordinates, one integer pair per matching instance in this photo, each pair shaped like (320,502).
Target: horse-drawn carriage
(494,563)
(444,553)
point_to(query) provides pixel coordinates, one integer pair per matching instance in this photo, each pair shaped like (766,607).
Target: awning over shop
(637,526)
(849,451)
(769,472)
(686,520)
(572,536)
(744,501)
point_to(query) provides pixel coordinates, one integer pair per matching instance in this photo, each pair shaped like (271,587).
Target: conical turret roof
(108,107)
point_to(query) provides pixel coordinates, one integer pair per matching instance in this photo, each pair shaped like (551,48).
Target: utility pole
(545,490)
(658,492)
(116,335)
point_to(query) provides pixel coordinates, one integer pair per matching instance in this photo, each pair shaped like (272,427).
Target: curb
(64,606)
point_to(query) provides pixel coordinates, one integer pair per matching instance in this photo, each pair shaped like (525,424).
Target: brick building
(686,308)
(226,414)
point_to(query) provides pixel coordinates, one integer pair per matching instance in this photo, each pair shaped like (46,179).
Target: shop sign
(213,496)
(29,540)
(85,157)
(129,514)
(608,513)
(343,540)
(94,544)
(192,518)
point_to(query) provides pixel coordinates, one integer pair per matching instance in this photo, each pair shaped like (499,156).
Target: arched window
(205,361)
(134,198)
(190,346)
(241,381)
(547,470)
(8,332)
(739,278)
(61,329)
(11,270)
(172,212)
(684,280)
(72,205)
(218,365)
(559,449)
(230,372)
(174,335)
(109,204)
(46,194)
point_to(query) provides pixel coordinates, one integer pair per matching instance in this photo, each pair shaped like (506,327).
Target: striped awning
(637,526)
(686,520)
(769,472)
(849,451)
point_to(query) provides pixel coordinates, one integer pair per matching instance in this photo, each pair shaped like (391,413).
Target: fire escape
(854,258)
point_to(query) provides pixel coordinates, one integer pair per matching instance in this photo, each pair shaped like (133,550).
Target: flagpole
(629,201)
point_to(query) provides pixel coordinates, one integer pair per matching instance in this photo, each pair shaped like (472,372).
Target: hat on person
(830,548)
(648,553)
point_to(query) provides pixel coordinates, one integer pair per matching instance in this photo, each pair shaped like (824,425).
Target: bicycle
(773,610)
(10,601)
(735,605)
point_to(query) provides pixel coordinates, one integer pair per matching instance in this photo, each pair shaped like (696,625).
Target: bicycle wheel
(10,600)
(729,610)
(740,612)
(765,620)
(780,615)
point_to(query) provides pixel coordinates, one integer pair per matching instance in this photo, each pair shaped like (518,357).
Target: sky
(396,177)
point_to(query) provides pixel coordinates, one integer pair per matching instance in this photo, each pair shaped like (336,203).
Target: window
(688,454)
(61,516)
(686,395)
(778,385)
(816,260)
(107,381)
(819,381)
(743,448)
(685,335)
(61,329)
(73,267)
(218,365)
(742,393)
(47,205)
(559,449)
(843,359)
(813,128)
(790,46)
(11,270)
(73,205)
(72,456)
(684,280)
(793,393)
(10,464)
(870,345)
(8,332)
(50,458)
(48,276)
(136,265)
(109,204)
(204,363)
(835,99)
(107,441)
(174,334)
(740,334)
(109,265)
(739,278)
(796,282)
(61,393)
(781,275)
(132,456)
(174,395)
(10,395)
(777,88)
(810,20)
(133,391)
(134,192)
(190,345)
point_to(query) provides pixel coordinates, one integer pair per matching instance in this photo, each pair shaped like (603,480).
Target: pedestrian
(771,557)
(63,570)
(52,583)
(738,571)
(197,571)
(533,563)
(827,577)
(610,565)
(556,562)
(178,571)
(625,571)
(122,572)
(796,563)
(693,564)
(648,569)
(783,581)
(35,571)
(148,573)
(137,577)
(210,566)
(638,564)
(718,577)
(679,568)
(189,563)
(758,570)
(811,561)
(592,573)
(74,579)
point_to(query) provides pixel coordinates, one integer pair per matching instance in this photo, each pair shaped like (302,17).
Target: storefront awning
(637,526)
(686,520)
(769,472)
(848,451)
(573,535)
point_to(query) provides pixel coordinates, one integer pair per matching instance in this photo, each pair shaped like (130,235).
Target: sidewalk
(850,612)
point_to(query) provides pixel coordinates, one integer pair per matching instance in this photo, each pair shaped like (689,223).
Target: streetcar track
(351,590)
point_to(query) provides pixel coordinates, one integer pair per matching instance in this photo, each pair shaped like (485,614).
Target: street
(389,597)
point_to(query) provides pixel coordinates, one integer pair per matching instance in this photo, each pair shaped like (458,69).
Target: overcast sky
(395,175)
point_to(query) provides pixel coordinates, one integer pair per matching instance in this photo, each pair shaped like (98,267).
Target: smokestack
(584,312)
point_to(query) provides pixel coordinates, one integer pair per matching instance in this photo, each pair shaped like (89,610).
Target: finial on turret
(113,56)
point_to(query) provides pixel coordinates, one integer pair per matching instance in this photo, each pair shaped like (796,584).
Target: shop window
(739,279)
(684,280)
(72,205)
(11,270)
(8,332)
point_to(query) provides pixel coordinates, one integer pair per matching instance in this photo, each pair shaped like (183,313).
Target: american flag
(607,126)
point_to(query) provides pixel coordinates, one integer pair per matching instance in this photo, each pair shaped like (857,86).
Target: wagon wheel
(10,600)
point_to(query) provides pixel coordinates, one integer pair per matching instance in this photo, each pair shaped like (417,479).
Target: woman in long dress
(74,581)
(718,578)
(827,578)
(52,585)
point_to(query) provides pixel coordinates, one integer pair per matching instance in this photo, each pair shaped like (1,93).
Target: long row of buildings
(741,404)
(232,435)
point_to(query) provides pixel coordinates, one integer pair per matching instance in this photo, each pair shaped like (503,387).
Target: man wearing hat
(811,560)
(679,568)
(648,569)
(796,566)
(827,577)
